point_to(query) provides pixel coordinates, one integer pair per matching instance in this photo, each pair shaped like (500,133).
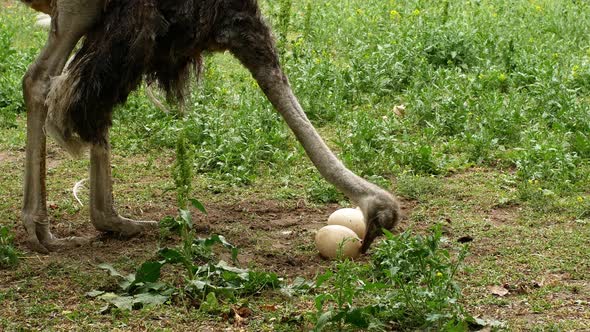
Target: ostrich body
(160,40)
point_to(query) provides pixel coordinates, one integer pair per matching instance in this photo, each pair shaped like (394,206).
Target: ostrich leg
(73,19)
(102,213)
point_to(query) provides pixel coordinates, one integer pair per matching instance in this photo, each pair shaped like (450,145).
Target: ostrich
(125,41)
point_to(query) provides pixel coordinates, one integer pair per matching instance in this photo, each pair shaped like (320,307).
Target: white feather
(43,21)
(76,188)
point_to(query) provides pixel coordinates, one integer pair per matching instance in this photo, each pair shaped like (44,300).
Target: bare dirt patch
(272,236)
(503,216)
(8,157)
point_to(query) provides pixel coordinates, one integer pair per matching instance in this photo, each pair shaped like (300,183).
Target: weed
(8,254)
(10,97)
(410,284)
(284,19)
(338,306)
(205,278)
(422,275)
(416,187)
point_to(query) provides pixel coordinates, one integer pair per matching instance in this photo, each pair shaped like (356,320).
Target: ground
(492,145)
(548,285)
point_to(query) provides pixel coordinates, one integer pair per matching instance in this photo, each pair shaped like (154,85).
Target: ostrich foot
(125,227)
(41,240)
(57,244)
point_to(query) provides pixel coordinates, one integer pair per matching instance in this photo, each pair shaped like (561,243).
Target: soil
(268,234)
(272,236)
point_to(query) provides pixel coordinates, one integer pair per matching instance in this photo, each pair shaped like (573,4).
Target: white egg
(329,239)
(351,218)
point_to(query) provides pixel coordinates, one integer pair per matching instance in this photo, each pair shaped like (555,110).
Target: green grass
(493,144)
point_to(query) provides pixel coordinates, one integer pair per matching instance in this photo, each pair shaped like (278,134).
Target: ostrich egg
(329,239)
(351,218)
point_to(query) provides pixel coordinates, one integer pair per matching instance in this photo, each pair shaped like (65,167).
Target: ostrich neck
(281,96)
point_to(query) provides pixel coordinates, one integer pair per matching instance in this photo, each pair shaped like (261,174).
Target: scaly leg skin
(102,212)
(73,20)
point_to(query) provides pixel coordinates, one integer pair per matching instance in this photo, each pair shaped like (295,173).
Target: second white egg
(351,218)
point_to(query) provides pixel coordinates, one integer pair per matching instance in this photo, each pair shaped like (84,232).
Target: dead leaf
(498,290)
(268,307)
(243,311)
(399,110)
(239,315)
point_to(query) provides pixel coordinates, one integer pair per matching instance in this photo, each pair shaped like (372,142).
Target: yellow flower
(438,274)
(575,70)
(394,14)
(416,12)
(502,77)
(580,199)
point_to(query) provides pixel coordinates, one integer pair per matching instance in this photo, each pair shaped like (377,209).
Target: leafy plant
(284,19)
(8,254)
(409,283)
(205,278)
(138,289)
(421,274)
(338,306)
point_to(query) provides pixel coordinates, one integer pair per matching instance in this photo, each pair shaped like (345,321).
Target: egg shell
(329,239)
(351,218)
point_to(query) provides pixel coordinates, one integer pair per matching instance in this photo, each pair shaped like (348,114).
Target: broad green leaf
(243,273)
(150,299)
(323,278)
(198,205)
(324,319)
(112,271)
(358,317)
(220,239)
(123,302)
(148,272)
(185,215)
(171,256)
(211,304)
(94,293)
